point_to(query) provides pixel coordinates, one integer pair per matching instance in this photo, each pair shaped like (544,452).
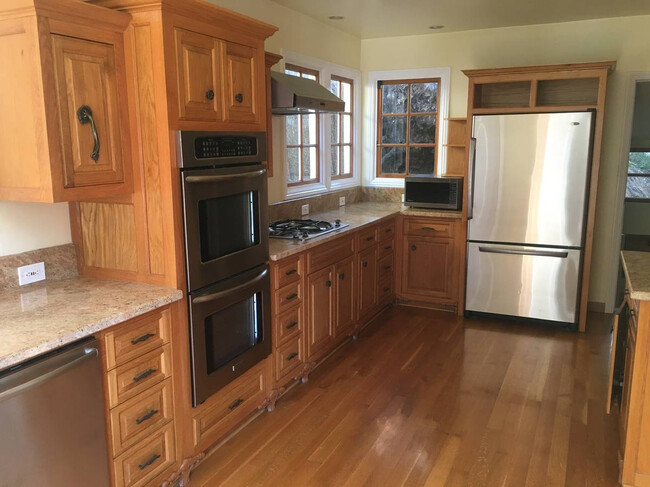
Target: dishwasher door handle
(30,382)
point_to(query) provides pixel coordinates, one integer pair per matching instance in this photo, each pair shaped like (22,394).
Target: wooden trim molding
(550,68)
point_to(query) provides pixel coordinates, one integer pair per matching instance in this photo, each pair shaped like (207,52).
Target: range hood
(291,95)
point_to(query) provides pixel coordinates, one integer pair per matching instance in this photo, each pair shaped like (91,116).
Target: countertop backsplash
(60,263)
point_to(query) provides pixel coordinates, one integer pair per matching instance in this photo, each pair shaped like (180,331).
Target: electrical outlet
(31,273)
(305,209)
(341,200)
(402,197)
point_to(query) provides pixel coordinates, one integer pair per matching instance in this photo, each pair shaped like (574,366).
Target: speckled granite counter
(45,316)
(637,273)
(357,215)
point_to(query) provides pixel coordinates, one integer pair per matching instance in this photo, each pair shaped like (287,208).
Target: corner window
(407,127)
(341,130)
(638,177)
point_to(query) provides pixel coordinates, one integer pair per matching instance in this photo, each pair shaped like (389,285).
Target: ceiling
(385,18)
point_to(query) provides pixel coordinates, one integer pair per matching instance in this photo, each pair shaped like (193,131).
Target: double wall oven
(226,250)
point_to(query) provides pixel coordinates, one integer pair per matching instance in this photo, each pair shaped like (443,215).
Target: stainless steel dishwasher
(52,429)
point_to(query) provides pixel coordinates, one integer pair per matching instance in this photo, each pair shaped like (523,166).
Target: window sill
(297,192)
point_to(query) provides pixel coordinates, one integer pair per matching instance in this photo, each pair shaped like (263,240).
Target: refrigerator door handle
(470,178)
(536,253)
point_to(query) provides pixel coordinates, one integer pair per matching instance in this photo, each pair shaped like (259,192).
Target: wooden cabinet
(320,323)
(241,90)
(368,276)
(344,297)
(198,64)
(64,131)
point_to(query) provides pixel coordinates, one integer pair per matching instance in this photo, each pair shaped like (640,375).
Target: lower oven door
(230,325)
(226,224)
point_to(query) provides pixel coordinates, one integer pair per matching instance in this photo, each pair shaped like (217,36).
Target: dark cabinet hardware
(142,338)
(291,325)
(292,356)
(291,296)
(236,404)
(147,416)
(328,283)
(386,267)
(386,289)
(364,264)
(85,115)
(292,271)
(430,229)
(144,465)
(413,247)
(370,238)
(209,95)
(388,230)
(387,247)
(341,276)
(143,375)
(239,98)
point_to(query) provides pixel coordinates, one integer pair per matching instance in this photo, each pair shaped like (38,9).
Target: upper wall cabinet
(64,131)
(241,83)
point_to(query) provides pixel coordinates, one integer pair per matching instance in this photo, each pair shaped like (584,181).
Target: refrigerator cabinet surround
(530,282)
(530,178)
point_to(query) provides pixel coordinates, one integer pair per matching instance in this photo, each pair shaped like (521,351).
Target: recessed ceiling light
(336,17)
(436,27)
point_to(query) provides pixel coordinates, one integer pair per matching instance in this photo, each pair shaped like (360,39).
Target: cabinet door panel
(241,87)
(367,265)
(344,296)
(427,267)
(319,308)
(85,77)
(199,85)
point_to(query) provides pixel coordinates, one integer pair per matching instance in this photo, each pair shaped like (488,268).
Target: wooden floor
(424,398)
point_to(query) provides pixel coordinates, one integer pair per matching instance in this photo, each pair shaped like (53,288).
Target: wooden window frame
(408,115)
(318,179)
(340,145)
(637,175)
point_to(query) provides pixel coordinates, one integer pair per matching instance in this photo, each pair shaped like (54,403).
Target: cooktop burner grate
(303,229)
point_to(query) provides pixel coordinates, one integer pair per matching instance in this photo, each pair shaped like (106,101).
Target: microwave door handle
(224,177)
(470,178)
(228,292)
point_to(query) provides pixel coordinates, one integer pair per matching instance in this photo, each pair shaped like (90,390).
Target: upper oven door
(226,223)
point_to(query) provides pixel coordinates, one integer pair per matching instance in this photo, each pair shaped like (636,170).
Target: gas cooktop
(303,229)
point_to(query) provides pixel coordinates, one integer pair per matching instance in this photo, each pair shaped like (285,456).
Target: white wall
(623,39)
(641,123)
(30,226)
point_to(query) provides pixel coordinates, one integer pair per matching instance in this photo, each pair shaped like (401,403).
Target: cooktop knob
(337,223)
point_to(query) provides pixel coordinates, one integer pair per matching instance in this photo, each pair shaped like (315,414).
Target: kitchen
(145,129)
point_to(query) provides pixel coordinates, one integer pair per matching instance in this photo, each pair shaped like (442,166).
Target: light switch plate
(341,200)
(31,273)
(305,209)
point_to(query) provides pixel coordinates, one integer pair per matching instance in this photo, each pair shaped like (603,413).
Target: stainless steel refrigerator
(529,178)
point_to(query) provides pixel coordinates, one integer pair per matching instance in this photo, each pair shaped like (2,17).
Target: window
(341,131)
(638,176)
(407,127)
(302,139)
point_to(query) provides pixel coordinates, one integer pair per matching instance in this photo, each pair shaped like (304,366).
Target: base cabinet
(320,307)
(344,297)
(367,269)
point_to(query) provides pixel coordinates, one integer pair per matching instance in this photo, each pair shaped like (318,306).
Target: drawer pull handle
(85,115)
(413,247)
(365,264)
(388,247)
(147,416)
(239,98)
(292,356)
(328,283)
(292,271)
(291,296)
(144,465)
(143,375)
(143,338)
(342,276)
(209,95)
(370,239)
(387,267)
(291,325)
(236,404)
(433,229)
(386,289)
(388,230)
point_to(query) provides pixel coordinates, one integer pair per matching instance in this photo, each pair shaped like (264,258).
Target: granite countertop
(637,273)
(357,215)
(44,316)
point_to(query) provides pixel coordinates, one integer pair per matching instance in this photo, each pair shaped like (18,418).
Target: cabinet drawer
(288,358)
(330,253)
(288,271)
(386,266)
(288,325)
(139,374)
(386,248)
(367,237)
(385,289)
(386,230)
(232,405)
(136,338)
(428,228)
(140,416)
(142,462)
(287,297)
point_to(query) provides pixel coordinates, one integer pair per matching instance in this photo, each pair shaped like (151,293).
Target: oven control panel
(223,147)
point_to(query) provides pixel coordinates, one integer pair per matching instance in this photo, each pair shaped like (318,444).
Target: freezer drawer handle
(536,253)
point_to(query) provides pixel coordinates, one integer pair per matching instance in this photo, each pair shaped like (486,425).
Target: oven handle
(222,294)
(224,177)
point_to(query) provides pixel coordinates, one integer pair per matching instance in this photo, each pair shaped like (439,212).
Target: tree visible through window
(341,129)
(302,139)
(407,124)
(638,176)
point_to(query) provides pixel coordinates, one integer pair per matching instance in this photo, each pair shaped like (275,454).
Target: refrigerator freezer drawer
(530,282)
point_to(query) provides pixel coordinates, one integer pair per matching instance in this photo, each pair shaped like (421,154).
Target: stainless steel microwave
(442,193)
